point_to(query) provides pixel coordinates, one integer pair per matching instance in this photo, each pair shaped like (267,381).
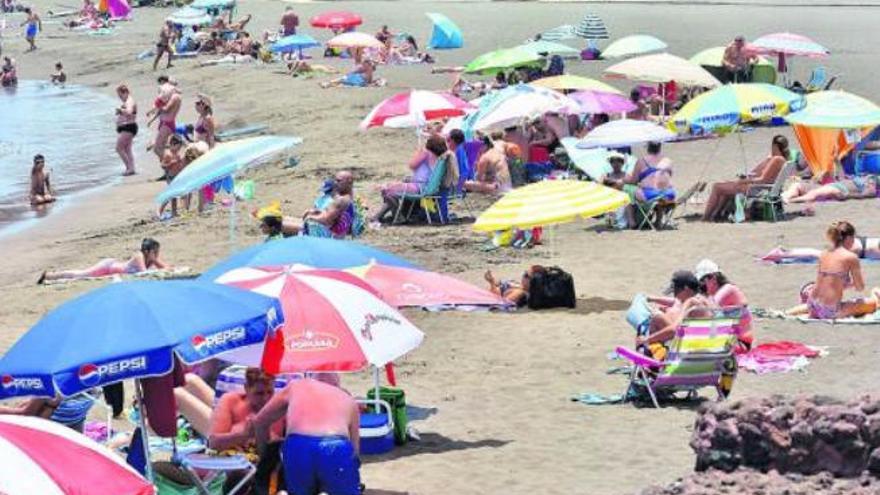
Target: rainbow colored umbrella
(637,44)
(549,202)
(500,60)
(790,44)
(414,108)
(575,83)
(732,104)
(601,102)
(836,110)
(407,287)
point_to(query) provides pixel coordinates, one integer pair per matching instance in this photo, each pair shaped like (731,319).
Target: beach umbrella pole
(232,219)
(145,436)
(376,387)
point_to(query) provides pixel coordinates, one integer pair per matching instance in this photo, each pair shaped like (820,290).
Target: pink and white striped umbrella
(789,44)
(414,108)
(43,457)
(333,321)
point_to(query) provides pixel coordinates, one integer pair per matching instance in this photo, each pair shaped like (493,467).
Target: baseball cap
(682,279)
(705,267)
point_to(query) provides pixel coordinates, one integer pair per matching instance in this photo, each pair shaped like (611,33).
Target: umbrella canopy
(132,330)
(637,44)
(593,161)
(511,105)
(499,60)
(189,16)
(213,4)
(661,68)
(732,104)
(625,132)
(549,202)
(591,28)
(836,110)
(405,287)
(118,9)
(542,47)
(41,456)
(355,40)
(445,35)
(335,321)
(601,102)
(790,44)
(316,252)
(712,57)
(414,108)
(559,33)
(336,20)
(224,160)
(294,43)
(568,82)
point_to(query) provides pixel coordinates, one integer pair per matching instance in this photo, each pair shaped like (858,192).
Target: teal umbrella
(548,47)
(445,35)
(637,44)
(836,110)
(500,60)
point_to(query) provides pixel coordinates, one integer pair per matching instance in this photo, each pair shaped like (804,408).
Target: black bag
(551,288)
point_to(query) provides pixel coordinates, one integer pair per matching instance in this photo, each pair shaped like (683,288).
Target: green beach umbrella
(499,60)
(836,110)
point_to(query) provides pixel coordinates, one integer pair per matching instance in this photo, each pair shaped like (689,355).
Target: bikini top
(844,277)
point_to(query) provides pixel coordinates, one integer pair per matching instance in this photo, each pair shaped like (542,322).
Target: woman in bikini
(861,187)
(204,130)
(839,270)
(145,259)
(41,189)
(492,174)
(126,128)
(513,292)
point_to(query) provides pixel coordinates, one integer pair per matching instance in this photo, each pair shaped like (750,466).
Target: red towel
(782,348)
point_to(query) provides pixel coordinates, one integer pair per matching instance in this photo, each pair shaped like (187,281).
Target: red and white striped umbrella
(333,321)
(414,108)
(43,457)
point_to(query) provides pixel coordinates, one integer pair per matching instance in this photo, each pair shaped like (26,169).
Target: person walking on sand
(163,45)
(126,128)
(33,25)
(289,22)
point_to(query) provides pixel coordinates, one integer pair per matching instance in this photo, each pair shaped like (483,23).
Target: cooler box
(232,380)
(868,162)
(396,398)
(377,433)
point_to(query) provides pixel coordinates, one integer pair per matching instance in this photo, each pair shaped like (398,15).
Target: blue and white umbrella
(591,28)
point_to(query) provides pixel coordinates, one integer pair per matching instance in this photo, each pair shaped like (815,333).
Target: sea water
(72,126)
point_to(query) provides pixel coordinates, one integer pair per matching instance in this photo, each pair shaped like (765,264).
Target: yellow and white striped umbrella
(549,202)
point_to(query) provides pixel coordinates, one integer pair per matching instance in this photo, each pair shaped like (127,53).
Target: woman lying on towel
(866,248)
(145,259)
(361,77)
(851,188)
(839,270)
(513,292)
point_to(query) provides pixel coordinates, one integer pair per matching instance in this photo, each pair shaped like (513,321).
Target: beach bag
(551,288)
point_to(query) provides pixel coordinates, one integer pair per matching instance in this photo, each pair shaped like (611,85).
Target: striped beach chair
(700,355)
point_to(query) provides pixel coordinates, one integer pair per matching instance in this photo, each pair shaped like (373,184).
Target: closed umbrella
(414,108)
(574,83)
(336,20)
(542,47)
(549,202)
(593,102)
(294,43)
(445,35)
(355,40)
(501,60)
(637,44)
(43,457)
(732,104)
(625,132)
(591,28)
(836,110)
(662,68)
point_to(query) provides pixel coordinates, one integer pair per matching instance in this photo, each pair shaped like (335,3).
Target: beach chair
(216,466)
(428,199)
(818,79)
(768,197)
(73,411)
(683,199)
(700,355)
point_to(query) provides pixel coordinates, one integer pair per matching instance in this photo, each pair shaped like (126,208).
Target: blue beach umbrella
(294,43)
(445,34)
(316,252)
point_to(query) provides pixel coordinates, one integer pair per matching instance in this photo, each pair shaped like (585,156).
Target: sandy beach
(495,388)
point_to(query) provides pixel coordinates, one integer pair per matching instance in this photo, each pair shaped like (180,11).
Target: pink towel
(777,357)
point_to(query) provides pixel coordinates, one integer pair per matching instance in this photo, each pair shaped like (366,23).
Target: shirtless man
(323,437)
(325,218)
(737,60)
(163,45)
(289,22)
(41,189)
(492,174)
(33,26)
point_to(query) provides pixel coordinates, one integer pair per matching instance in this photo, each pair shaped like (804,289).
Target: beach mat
(802,261)
(769,314)
(181,272)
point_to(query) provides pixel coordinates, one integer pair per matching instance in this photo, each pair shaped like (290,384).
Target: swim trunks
(822,311)
(354,79)
(320,464)
(31,31)
(651,194)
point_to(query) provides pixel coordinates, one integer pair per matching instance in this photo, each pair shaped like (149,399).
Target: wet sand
(495,386)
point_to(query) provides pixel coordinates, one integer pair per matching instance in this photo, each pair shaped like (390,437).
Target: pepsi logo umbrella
(414,109)
(336,20)
(334,321)
(43,457)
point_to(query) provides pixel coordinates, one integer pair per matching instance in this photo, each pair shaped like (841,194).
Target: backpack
(552,288)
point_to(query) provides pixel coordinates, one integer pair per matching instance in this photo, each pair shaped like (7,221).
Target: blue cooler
(377,433)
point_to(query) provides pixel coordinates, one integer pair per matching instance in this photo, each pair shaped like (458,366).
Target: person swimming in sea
(59,77)
(147,258)
(41,189)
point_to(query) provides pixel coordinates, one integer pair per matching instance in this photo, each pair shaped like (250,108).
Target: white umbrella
(662,68)
(513,105)
(637,44)
(624,132)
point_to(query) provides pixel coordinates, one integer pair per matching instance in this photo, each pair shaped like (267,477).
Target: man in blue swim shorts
(323,440)
(33,25)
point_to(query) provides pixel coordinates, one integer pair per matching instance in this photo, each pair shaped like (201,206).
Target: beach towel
(871,319)
(779,357)
(808,260)
(171,273)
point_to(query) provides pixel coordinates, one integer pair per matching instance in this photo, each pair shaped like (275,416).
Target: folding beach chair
(430,195)
(700,355)
(769,196)
(216,466)
(818,78)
